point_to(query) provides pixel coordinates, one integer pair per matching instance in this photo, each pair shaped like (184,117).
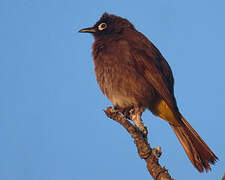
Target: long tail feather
(196,149)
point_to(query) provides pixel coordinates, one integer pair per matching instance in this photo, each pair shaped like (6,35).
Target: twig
(151,156)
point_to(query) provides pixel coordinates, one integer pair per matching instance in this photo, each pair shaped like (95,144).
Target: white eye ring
(102,26)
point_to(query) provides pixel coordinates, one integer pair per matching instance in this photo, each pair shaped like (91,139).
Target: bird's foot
(135,116)
(124,111)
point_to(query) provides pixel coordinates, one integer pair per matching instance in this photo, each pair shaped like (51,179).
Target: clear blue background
(52,126)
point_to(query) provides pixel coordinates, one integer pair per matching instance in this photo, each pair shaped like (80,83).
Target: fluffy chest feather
(117,75)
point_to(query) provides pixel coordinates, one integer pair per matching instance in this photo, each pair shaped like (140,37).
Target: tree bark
(150,155)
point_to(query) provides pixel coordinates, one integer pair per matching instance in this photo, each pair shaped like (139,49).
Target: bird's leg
(134,113)
(135,116)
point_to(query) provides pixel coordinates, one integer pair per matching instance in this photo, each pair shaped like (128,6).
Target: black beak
(88,30)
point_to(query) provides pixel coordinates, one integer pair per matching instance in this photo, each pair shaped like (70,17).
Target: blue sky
(52,126)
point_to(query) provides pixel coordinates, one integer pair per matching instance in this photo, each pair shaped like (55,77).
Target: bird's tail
(196,149)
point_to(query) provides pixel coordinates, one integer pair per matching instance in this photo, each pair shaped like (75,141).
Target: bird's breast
(118,78)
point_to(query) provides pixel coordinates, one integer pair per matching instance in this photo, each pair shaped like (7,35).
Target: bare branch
(151,156)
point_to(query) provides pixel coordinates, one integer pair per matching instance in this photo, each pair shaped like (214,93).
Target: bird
(135,76)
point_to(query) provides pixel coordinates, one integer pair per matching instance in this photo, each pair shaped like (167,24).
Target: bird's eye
(102,26)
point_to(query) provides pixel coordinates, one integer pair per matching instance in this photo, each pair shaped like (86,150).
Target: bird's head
(108,24)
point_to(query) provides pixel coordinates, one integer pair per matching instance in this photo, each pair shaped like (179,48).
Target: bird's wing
(167,73)
(151,70)
(152,66)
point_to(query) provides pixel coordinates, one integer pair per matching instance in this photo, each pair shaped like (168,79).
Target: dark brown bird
(133,74)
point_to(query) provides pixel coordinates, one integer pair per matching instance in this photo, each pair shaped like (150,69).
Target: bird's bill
(88,30)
